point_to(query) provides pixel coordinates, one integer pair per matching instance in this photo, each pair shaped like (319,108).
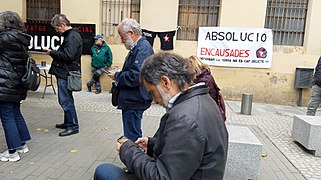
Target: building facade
(294,23)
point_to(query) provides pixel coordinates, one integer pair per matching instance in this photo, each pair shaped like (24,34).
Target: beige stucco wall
(14,5)
(313,28)
(245,13)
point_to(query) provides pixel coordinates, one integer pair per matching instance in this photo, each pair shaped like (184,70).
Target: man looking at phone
(191,141)
(133,98)
(66,58)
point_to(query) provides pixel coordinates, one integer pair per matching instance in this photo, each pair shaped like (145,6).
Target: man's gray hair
(175,67)
(59,19)
(131,24)
(10,20)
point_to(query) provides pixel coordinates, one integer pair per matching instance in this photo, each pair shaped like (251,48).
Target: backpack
(31,80)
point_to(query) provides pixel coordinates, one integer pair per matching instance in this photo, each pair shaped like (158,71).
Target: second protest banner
(235,47)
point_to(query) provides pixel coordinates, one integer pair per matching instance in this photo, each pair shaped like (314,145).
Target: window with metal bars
(287,20)
(42,11)
(114,11)
(195,13)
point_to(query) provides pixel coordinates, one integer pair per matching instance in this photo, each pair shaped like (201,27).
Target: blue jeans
(66,101)
(132,120)
(14,125)
(108,172)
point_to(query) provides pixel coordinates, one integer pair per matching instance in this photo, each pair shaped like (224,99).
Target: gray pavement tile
(69,173)
(87,175)
(280,175)
(25,170)
(31,178)
(95,165)
(80,173)
(41,169)
(59,172)
(47,173)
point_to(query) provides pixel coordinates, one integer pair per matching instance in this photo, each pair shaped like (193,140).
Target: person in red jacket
(203,74)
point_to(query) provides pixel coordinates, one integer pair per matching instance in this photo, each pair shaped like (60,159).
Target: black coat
(191,142)
(13,59)
(67,55)
(317,74)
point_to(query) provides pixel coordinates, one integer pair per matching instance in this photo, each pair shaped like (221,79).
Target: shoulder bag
(74,82)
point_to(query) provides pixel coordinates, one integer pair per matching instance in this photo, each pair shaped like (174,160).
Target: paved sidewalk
(77,156)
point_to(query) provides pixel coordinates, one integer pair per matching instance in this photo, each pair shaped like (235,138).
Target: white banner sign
(236,47)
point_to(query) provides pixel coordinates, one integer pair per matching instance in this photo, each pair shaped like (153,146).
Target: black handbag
(114,93)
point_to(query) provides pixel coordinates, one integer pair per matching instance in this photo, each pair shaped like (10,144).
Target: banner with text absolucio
(43,35)
(235,47)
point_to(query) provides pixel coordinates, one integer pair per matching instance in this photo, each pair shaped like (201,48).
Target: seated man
(102,58)
(192,140)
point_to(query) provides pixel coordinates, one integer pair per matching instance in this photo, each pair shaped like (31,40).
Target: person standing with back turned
(133,98)
(66,58)
(13,59)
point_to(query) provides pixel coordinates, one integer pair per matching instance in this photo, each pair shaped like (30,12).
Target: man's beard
(128,43)
(166,97)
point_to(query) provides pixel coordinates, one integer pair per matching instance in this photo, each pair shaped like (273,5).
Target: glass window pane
(287,19)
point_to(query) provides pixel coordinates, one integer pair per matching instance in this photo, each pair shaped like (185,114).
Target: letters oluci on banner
(235,47)
(43,35)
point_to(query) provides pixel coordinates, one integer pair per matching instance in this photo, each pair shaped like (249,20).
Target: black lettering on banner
(263,37)
(228,36)
(208,35)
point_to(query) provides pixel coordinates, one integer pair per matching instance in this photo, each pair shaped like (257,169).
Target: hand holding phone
(122,139)
(106,71)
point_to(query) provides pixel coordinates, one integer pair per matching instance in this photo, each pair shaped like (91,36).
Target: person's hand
(142,142)
(118,145)
(112,75)
(120,141)
(47,51)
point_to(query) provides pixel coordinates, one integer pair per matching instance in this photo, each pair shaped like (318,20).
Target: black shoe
(98,91)
(61,126)
(89,88)
(69,132)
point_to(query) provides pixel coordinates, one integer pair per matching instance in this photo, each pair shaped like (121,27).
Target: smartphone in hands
(106,71)
(122,139)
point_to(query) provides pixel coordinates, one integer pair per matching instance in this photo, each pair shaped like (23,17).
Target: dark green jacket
(102,58)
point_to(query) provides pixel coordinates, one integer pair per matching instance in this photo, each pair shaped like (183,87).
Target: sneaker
(23,149)
(6,156)
(98,91)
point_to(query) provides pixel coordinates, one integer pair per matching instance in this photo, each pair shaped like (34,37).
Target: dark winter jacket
(13,60)
(101,56)
(317,74)
(133,94)
(191,142)
(68,54)
(214,90)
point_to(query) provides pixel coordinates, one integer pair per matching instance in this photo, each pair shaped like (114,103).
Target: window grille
(195,13)
(287,20)
(42,11)
(114,11)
